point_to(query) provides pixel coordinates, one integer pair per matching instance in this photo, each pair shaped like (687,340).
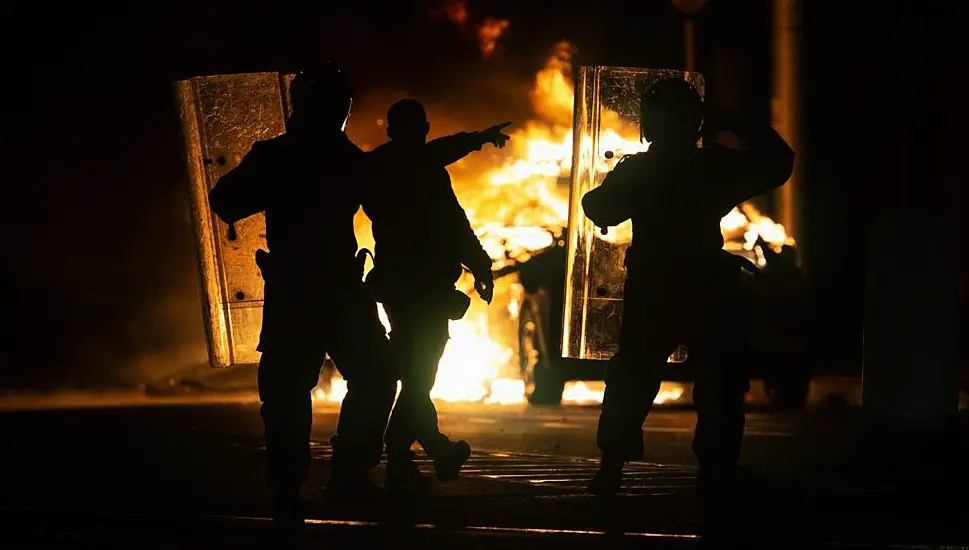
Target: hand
(495,136)
(485,287)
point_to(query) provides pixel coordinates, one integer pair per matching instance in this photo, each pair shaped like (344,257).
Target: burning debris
(519,207)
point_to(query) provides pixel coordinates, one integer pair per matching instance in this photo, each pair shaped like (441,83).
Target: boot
(348,475)
(346,485)
(403,476)
(288,514)
(608,480)
(448,462)
(717,484)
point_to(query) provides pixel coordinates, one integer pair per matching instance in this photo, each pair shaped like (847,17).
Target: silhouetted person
(315,299)
(422,238)
(680,284)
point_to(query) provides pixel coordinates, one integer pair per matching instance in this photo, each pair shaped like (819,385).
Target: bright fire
(512,205)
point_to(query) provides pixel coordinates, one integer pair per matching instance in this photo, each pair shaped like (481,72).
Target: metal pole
(689,44)
(786,106)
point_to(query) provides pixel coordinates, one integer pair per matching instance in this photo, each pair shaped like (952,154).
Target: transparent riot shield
(605,126)
(222,116)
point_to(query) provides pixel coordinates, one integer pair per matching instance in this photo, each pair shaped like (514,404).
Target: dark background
(100,264)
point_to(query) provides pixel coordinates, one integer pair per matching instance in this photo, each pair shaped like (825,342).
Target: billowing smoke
(102,275)
(485,30)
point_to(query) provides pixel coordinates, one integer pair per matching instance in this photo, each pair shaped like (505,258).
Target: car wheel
(543,386)
(788,392)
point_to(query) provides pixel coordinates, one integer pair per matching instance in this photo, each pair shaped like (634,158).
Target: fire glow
(511,205)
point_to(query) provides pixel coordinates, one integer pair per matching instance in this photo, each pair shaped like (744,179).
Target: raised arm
(766,164)
(240,193)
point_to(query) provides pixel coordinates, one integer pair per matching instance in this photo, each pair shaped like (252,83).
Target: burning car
(518,201)
(774,313)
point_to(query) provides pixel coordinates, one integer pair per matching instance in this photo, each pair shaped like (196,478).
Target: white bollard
(912,339)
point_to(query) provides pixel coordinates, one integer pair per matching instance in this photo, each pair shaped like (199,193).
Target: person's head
(407,121)
(321,96)
(671,112)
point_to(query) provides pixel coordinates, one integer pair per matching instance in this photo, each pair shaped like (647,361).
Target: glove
(495,135)
(484,285)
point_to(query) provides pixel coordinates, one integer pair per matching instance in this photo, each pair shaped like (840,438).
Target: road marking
(759,433)
(686,537)
(513,531)
(468,529)
(570,474)
(559,425)
(667,429)
(562,473)
(678,430)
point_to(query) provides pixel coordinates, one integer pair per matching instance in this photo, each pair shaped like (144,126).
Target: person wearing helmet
(422,239)
(680,285)
(315,300)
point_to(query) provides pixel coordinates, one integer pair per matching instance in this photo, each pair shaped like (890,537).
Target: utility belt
(274,270)
(726,263)
(391,285)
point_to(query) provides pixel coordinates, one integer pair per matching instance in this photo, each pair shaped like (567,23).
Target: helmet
(321,87)
(670,105)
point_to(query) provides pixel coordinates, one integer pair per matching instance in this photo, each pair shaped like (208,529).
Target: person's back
(302,180)
(680,284)
(422,239)
(420,230)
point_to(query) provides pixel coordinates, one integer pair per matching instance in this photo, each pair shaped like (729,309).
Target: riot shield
(222,116)
(605,126)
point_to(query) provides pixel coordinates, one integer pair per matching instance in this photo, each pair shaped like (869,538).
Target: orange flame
(510,205)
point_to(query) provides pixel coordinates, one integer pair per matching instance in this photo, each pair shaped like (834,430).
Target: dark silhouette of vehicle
(775,313)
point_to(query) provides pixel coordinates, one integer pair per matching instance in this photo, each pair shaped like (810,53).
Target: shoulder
(631,166)
(637,160)
(278,142)
(380,151)
(268,147)
(348,145)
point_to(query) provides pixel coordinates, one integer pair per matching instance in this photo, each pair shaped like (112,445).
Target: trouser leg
(631,387)
(419,338)
(286,381)
(364,357)
(718,395)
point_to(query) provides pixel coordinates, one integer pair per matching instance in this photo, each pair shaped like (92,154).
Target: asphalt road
(134,472)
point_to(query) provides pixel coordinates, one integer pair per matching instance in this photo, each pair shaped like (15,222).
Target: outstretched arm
(240,193)
(447,150)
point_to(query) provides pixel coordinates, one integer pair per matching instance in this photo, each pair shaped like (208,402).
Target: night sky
(100,264)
